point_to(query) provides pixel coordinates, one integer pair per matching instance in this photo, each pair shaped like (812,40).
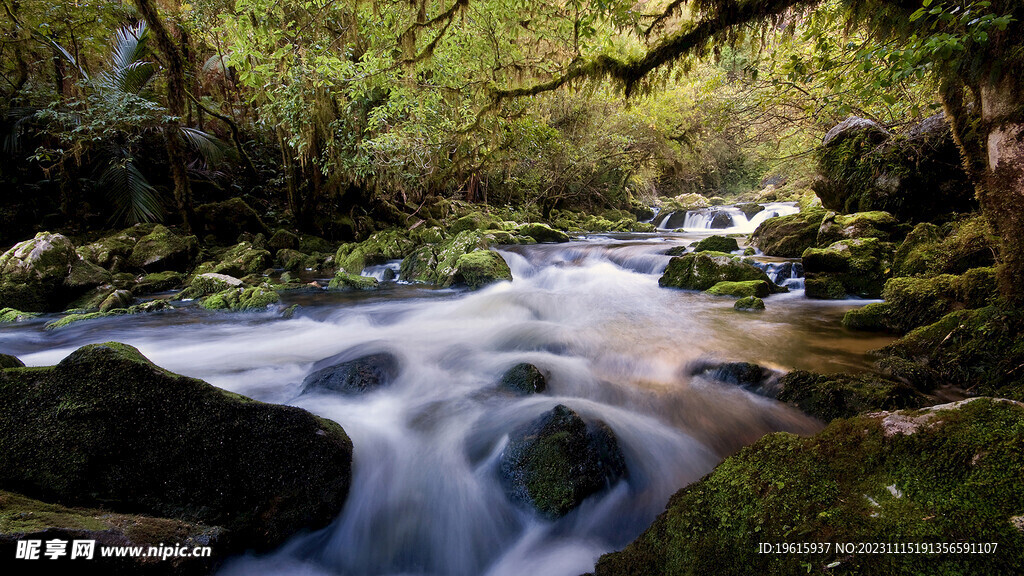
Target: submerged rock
(702,270)
(106,427)
(754,377)
(523,378)
(480,268)
(950,471)
(345,281)
(750,303)
(558,460)
(356,376)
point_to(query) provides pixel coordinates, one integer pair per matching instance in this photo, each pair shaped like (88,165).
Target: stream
(426,498)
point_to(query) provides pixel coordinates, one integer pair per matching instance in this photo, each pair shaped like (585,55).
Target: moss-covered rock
(789,236)
(980,350)
(702,270)
(283,239)
(117,299)
(8,361)
(162,250)
(558,460)
(45,273)
(480,268)
(753,377)
(292,260)
(158,282)
(12,315)
(81,316)
(877,224)
(345,281)
(911,302)
(946,474)
(112,252)
(227,220)
(242,299)
(543,233)
(23,518)
(684,202)
(353,375)
(917,176)
(107,427)
(830,396)
(861,266)
(717,244)
(952,248)
(523,378)
(750,209)
(209,283)
(749,304)
(438,263)
(239,260)
(377,249)
(742,289)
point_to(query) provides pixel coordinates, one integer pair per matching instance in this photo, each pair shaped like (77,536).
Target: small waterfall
(724,219)
(387,272)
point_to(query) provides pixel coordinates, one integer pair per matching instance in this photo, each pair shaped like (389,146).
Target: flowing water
(722,219)
(426,496)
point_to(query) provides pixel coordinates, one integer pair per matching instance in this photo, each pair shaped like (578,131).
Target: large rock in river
(106,427)
(948,474)
(558,460)
(788,236)
(353,376)
(163,250)
(702,270)
(858,267)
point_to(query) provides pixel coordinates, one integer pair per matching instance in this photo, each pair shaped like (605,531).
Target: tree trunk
(1002,197)
(176,100)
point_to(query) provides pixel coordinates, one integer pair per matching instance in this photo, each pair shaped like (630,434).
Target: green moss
(482,267)
(953,248)
(107,427)
(12,315)
(860,265)
(145,307)
(474,221)
(543,233)
(158,282)
(163,250)
(702,270)
(874,224)
(8,361)
(346,281)
(830,396)
(377,249)
(871,318)
(743,289)
(788,236)
(953,476)
(292,260)
(716,244)
(208,283)
(749,303)
(242,299)
(283,239)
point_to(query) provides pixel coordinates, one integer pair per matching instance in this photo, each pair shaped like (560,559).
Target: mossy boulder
(345,281)
(475,221)
(158,282)
(117,299)
(162,250)
(348,375)
(78,316)
(23,518)
(947,474)
(830,396)
(45,273)
(481,268)
(227,220)
(283,239)
(684,202)
(377,249)
(980,350)
(106,427)
(543,233)
(789,236)
(8,361)
(12,315)
(292,260)
(877,224)
(911,302)
(558,460)
(717,244)
(952,248)
(742,289)
(239,260)
(242,299)
(112,252)
(438,263)
(702,270)
(523,379)
(749,304)
(861,266)
(209,283)
(917,176)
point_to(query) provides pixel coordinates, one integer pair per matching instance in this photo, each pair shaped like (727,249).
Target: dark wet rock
(788,236)
(227,220)
(717,244)
(753,377)
(239,260)
(8,361)
(281,240)
(355,376)
(523,378)
(916,176)
(558,460)
(750,209)
(946,471)
(721,220)
(830,396)
(835,227)
(163,250)
(106,427)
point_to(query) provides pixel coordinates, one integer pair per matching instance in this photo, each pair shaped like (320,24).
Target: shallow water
(425,497)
